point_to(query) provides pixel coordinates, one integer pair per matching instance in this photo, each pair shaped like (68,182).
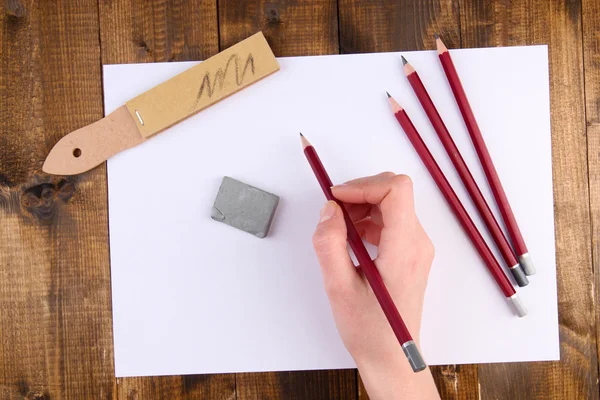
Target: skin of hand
(382,209)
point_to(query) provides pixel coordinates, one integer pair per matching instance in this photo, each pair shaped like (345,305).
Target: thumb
(329,240)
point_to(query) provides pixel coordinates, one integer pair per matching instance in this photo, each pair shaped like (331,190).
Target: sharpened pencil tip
(441,47)
(436,36)
(305,143)
(404,62)
(395,106)
(388,95)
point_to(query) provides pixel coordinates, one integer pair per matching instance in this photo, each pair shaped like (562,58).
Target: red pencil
(368,266)
(457,207)
(465,174)
(484,157)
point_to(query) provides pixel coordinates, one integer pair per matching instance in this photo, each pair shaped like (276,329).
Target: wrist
(392,377)
(385,355)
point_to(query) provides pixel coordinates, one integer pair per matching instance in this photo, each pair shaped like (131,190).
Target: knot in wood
(15,8)
(66,190)
(40,201)
(4,197)
(38,396)
(273,16)
(144,46)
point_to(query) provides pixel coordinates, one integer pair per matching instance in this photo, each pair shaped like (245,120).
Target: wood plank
(150,31)
(56,329)
(300,385)
(558,23)
(397,25)
(134,31)
(205,387)
(291,28)
(407,25)
(591,58)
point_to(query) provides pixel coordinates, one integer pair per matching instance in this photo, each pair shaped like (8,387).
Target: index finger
(392,193)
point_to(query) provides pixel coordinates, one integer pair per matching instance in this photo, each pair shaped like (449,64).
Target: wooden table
(55,302)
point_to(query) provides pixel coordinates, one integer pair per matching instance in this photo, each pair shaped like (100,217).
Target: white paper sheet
(191,295)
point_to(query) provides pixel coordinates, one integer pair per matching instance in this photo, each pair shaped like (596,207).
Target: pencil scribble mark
(221,74)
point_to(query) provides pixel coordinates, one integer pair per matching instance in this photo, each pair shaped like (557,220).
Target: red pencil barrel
(364,259)
(484,156)
(463,171)
(454,202)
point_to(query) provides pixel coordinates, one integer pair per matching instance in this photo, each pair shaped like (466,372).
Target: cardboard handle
(163,106)
(203,85)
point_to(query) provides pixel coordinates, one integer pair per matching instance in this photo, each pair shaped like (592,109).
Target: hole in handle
(76,153)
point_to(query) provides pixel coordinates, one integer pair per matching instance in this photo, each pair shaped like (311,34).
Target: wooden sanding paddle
(163,106)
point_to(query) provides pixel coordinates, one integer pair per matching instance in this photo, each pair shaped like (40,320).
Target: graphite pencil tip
(388,95)
(404,62)
(305,143)
(395,106)
(436,36)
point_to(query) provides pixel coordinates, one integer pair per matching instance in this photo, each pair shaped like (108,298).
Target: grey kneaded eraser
(244,207)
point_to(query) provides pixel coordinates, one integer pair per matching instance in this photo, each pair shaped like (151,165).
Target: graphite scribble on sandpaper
(221,74)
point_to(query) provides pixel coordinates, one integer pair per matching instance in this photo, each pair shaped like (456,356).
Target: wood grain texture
(55,313)
(204,387)
(558,23)
(158,31)
(392,25)
(292,27)
(297,385)
(407,25)
(591,57)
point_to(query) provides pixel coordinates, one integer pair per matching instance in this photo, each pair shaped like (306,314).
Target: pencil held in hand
(465,174)
(459,210)
(484,157)
(367,265)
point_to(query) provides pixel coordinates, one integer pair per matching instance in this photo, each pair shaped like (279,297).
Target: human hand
(382,208)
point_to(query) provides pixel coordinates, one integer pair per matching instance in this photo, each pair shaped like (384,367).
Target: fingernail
(338,186)
(328,211)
